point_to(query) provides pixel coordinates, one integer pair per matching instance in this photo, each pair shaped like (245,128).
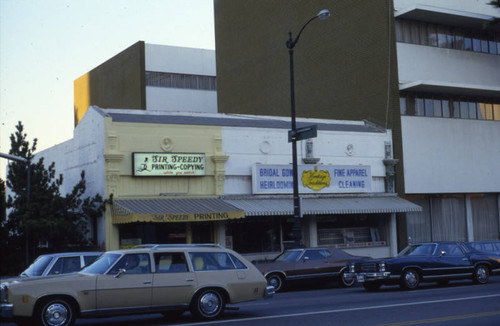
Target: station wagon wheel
(481,274)
(55,312)
(275,280)
(410,279)
(208,304)
(346,281)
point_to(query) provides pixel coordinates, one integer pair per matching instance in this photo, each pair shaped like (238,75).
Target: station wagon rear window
(206,261)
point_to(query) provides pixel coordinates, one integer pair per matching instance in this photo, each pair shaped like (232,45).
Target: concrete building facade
(233,184)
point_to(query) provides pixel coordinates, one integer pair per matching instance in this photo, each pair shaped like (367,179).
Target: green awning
(161,210)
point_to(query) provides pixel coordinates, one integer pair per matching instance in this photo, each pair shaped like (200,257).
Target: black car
(426,262)
(486,246)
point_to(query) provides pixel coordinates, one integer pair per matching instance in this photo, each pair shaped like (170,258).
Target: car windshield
(38,266)
(102,264)
(289,255)
(425,249)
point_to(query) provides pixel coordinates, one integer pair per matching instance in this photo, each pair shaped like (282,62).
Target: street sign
(303,133)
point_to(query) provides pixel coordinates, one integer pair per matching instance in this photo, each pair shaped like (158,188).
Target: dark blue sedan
(426,262)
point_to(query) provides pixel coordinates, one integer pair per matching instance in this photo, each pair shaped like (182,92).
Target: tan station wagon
(169,279)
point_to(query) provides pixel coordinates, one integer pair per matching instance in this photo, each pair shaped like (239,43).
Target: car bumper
(269,292)
(6,310)
(368,277)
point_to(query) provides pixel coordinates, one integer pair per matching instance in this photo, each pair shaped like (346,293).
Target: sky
(46,45)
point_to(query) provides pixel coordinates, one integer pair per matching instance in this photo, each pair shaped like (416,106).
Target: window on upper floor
(449,107)
(415,32)
(173,80)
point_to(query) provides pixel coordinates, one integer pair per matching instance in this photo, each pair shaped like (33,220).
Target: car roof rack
(179,245)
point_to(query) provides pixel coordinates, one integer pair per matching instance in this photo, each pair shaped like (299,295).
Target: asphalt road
(459,303)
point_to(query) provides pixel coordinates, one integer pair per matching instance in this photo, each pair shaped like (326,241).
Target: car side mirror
(305,259)
(443,253)
(120,272)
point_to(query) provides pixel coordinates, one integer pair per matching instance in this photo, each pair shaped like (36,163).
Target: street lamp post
(27,162)
(297,214)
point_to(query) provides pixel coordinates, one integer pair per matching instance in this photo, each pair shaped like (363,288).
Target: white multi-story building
(449,77)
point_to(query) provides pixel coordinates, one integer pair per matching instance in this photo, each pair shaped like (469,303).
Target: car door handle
(147,282)
(190,279)
(465,259)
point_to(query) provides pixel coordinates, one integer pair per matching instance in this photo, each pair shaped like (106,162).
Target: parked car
(60,263)
(486,246)
(308,263)
(426,262)
(162,278)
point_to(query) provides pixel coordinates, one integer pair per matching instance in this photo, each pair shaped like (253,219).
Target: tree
(46,216)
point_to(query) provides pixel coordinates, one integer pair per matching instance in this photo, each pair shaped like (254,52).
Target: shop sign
(278,179)
(163,164)
(181,217)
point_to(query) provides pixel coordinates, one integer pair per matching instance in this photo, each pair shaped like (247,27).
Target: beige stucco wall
(122,139)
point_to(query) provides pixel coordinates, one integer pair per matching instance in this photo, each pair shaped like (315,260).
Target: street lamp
(27,162)
(290,44)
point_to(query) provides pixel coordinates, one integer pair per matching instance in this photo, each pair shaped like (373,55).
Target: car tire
(346,282)
(372,286)
(55,312)
(481,274)
(410,279)
(277,281)
(208,304)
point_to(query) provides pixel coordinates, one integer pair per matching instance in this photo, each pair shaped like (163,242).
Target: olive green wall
(117,83)
(341,63)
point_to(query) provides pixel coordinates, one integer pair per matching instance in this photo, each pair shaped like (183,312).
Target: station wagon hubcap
(55,314)
(209,303)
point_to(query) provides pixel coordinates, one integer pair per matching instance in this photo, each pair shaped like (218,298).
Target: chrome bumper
(269,292)
(367,277)
(6,310)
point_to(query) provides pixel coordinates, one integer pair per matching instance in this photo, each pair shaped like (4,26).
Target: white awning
(256,206)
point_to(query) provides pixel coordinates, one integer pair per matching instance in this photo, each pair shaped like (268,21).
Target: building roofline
(226,120)
(444,16)
(440,87)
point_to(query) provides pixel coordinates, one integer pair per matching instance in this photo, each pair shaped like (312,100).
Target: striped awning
(255,206)
(161,210)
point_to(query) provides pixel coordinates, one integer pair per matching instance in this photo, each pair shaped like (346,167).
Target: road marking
(342,310)
(449,318)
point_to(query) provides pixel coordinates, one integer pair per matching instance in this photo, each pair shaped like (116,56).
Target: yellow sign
(316,180)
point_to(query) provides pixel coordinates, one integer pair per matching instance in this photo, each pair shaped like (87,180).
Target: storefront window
(448,218)
(485,217)
(254,235)
(158,233)
(345,231)
(419,223)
